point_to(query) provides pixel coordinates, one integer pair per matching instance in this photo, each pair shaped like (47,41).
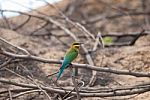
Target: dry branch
(75,85)
(21,25)
(6,20)
(134,90)
(10,94)
(16,90)
(46,94)
(16,47)
(5,63)
(134,40)
(98,41)
(26,92)
(87,66)
(99,18)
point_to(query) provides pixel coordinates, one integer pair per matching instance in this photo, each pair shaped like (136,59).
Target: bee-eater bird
(71,54)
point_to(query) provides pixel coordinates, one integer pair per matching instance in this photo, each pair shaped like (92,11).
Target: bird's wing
(69,57)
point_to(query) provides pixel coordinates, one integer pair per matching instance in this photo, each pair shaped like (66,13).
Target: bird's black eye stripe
(76,43)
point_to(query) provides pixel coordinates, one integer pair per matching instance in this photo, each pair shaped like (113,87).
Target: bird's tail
(60,72)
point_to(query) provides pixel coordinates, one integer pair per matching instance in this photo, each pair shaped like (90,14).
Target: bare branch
(75,85)
(16,47)
(99,18)
(5,19)
(134,40)
(16,90)
(135,90)
(5,63)
(40,88)
(10,95)
(26,92)
(87,66)
(97,41)
(25,22)
(41,27)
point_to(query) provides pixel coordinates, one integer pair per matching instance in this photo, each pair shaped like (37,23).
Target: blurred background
(22,5)
(115,34)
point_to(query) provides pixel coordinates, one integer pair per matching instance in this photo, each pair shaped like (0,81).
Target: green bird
(71,54)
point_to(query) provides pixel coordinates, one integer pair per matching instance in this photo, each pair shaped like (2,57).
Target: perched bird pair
(71,54)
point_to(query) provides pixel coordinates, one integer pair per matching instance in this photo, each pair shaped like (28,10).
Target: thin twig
(98,40)
(41,27)
(52,74)
(21,25)
(70,98)
(16,90)
(15,73)
(96,43)
(68,93)
(134,40)
(75,85)
(74,89)
(37,83)
(129,34)
(16,47)
(40,88)
(6,20)
(75,24)
(5,63)
(26,92)
(112,17)
(10,95)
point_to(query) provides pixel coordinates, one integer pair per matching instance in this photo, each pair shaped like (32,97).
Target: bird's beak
(81,43)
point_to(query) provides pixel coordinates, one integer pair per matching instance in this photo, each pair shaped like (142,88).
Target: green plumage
(71,54)
(69,57)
